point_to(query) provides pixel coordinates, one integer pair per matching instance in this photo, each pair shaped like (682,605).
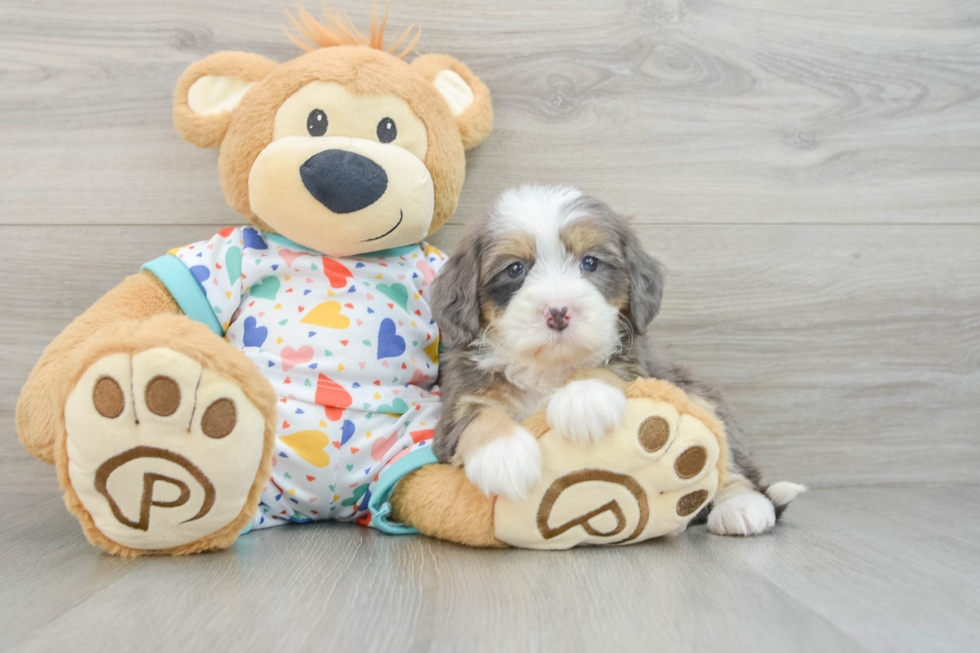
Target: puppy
(546,303)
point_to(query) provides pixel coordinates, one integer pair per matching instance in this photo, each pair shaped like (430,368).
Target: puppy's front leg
(590,404)
(499,456)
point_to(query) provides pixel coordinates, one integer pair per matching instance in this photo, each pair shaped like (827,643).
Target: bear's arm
(41,404)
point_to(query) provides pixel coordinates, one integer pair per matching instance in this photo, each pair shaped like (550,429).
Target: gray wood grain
(809,171)
(684,111)
(848,570)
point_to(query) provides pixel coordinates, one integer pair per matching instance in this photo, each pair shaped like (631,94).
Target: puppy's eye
(515,270)
(589,264)
(387,131)
(316,123)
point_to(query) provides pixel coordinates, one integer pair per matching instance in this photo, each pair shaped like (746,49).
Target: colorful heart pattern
(396,292)
(349,347)
(253,240)
(328,316)
(293,357)
(266,288)
(254,336)
(390,344)
(233,264)
(309,445)
(432,351)
(428,274)
(332,396)
(336,273)
(381,446)
(290,256)
(397,407)
(348,432)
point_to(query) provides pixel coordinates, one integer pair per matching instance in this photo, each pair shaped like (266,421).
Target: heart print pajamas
(350,346)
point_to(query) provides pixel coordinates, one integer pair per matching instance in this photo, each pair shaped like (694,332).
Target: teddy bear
(286,371)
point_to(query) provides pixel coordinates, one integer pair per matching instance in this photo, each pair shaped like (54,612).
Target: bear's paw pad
(161,451)
(647,478)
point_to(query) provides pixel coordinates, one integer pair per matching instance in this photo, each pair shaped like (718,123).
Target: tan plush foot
(647,478)
(161,453)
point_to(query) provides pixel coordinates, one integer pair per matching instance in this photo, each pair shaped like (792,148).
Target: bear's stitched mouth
(401,216)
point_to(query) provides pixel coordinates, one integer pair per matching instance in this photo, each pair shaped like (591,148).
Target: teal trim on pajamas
(379,504)
(391,252)
(185,289)
(279,239)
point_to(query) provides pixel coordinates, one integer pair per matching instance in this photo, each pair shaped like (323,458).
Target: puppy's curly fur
(547,303)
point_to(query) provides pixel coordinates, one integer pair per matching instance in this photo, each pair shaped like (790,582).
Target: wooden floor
(808,171)
(848,570)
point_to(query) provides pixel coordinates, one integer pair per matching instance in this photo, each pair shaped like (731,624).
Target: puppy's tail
(782,493)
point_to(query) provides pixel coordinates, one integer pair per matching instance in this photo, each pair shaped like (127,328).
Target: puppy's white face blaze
(546,298)
(557,315)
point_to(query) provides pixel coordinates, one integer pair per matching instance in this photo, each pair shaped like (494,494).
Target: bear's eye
(387,130)
(316,123)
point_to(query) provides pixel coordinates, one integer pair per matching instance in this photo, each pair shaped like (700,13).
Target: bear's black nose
(343,181)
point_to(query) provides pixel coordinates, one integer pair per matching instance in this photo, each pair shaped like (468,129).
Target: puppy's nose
(343,181)
(558,317)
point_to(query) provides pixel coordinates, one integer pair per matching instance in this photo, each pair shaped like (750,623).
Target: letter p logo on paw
(150,480)
(647,478)
(161,452)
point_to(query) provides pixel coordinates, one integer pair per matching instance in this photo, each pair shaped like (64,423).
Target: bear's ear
(210,89)
(468,98)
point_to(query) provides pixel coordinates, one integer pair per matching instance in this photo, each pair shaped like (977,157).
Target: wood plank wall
(808,170)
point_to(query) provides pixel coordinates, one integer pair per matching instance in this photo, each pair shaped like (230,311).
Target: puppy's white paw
(746,514)
(583,411)
(509,466)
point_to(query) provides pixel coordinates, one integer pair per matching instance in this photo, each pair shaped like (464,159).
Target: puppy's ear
(453,298)
(209,90)
(646,283)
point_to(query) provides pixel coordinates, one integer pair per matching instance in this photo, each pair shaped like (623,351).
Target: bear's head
(346,149)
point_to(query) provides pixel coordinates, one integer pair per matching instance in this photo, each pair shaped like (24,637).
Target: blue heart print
(346,432)
(390,344)
(253,239)
(201,273)
(254,336)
